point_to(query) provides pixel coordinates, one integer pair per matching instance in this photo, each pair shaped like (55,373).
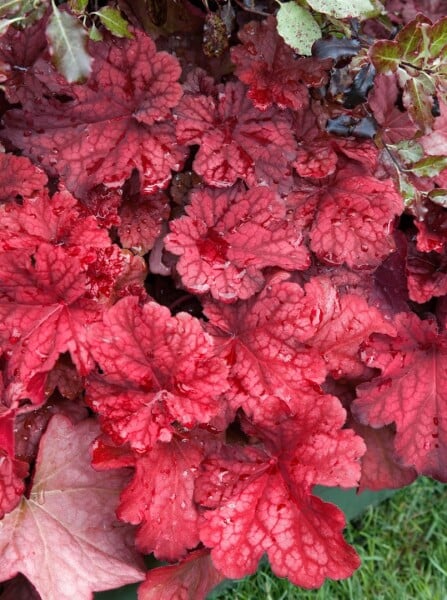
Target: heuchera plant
(223,281)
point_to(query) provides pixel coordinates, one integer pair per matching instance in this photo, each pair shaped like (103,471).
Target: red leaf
(191,579)
(395,124)
(411,392)
(342,323)
(42,312)
(98,132)
(263,341)
(263,503)
(236,140)
(432,231)
(228,237)
(160,498)
(426,274)
(354,221)
(141,221)
(19,177)
(65,538)
(55,220)
(269,67)
(380,469)
(12,486)
(19,50)
(162,369)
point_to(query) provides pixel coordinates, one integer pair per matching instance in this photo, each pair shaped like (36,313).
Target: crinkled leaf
(141,221)
(260,500)
(193,578)
(113,21)
(65,537)
(228,237)
(101,131)
(19,177)
(342,323)
(57,220)
(41,311)
(168,360)
(411,392)
(263,340)
(268,65)
(67,43)
(237,141)
(297,27)
(354,222)
(160,499)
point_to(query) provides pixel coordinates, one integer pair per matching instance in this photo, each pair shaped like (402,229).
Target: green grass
(403,546)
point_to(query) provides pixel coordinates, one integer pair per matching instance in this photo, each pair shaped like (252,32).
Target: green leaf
(10,7)
(78,6)
(430,166)
(298,28)
(409,151)
(385,56)
(438,37)
(343,9)
(113,21)
(438,196)
(410,41)
(417,99)
(94,34)
(5,23)
(67,43)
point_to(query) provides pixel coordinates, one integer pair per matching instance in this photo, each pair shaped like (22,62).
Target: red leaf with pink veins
(55,220)
(141,221)
(354,221)
(99,131)
(19,177)
(160,498)
(410,392)
(380,469)
(191,579)
(42,311)
(167,360)
(65,537)
(130,412)
(237,141)
(342,323)
(264,340)
(262,499)
(271,70)
(228,237)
